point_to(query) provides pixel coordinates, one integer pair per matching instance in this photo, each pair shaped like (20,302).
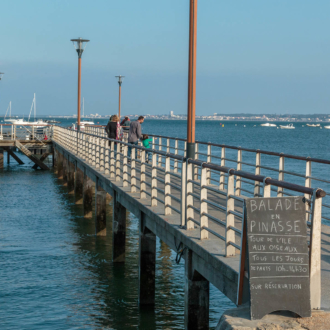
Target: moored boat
(327,127)
(268,125)
(313,125)
(290,126)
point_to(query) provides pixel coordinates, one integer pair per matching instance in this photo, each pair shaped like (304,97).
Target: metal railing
(306,171)
(26,132)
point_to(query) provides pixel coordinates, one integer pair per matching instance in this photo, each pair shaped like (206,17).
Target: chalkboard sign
(278,258)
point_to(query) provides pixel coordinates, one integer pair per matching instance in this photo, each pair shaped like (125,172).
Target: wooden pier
(175,199)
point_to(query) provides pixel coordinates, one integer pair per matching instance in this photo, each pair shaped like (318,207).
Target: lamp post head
(79,45)
(120,79)
(1,74)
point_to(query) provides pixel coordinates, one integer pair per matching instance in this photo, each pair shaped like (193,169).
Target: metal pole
(192,80)
(79,89)
(119,99)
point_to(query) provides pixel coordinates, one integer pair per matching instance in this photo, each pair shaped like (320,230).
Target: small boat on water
(290,126)
(53,121)
(86,122)
(313,125)
(327,127)
(268,125)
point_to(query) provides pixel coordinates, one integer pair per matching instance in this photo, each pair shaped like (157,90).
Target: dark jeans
(130,148)
(148,156)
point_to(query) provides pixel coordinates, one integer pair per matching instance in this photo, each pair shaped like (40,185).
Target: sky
(253,56)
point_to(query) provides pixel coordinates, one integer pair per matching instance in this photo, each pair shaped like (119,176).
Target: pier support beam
(197,297)
(100,211)
(147,265)
(88,197)
(11,153)
(65,170)
(59,165)
(118,231)
(70,177)
(78,185)
(1,158)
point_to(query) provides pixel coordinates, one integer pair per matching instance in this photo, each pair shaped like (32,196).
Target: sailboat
(9,120)
(39,123)
(84,122)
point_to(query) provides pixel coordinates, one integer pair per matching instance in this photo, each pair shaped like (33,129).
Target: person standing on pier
(112,128)
(146,143)
(135,133)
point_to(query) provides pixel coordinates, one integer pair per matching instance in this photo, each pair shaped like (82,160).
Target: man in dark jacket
(111,130)
(135,133)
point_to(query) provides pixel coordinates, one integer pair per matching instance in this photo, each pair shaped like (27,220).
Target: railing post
(209,160)
(176,153)
(315,253)
(223,163)
(190,198)
(154,180)
(133,171)
(257,172)
(185,149)
(112,160)
(204,234)
(196,168)
(230,217)
(160,156)
(308,183)
(239,168)
(106,158)
(118,162)
(93,151)
(125,167)
(168,149)
(183,193)
(267,189)
(280,175)
(143,186)
(97,152)
(90,150)
(168,199)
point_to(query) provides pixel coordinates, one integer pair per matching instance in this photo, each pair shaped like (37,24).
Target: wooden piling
(118,231)
(100,211)
(197,296)
(147,265)
(78,185)
(1,158)
(88,197)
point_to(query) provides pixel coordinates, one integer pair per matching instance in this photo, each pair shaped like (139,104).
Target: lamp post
(192,79)
(79,46)
(119,83)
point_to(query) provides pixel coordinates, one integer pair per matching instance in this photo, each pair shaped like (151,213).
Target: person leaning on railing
(125,123)
(135,133)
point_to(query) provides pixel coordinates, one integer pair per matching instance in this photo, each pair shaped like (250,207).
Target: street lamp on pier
(79,45)
(191,113)
(119,83)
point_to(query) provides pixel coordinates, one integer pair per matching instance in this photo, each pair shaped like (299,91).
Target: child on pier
(146,143)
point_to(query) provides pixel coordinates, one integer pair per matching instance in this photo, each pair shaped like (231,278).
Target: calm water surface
(55,274)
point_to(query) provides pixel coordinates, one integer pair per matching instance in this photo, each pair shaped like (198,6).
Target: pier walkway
(194,206)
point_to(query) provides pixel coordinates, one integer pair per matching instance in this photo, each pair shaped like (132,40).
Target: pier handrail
(243,174)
